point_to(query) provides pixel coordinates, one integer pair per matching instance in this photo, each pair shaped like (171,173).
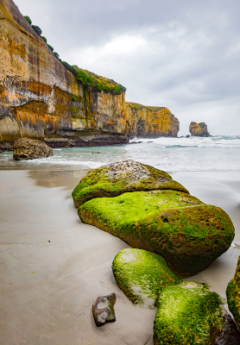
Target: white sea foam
(214,141)
(218,153)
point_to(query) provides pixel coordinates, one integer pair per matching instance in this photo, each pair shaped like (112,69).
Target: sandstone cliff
(40,98)
(199,129)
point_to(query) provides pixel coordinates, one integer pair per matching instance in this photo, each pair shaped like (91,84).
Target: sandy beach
(53,267)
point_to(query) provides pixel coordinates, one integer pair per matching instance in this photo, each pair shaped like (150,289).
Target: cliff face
(199,129)
(150,122)
(41,99)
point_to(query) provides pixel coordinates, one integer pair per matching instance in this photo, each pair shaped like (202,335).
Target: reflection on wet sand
(68,179)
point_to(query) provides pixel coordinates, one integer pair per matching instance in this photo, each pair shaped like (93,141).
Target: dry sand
(47,288)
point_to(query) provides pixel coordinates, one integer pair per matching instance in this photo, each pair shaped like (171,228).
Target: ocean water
(216,153)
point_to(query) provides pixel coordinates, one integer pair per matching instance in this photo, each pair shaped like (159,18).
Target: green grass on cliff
(28,19)
(138,106)
(97,82)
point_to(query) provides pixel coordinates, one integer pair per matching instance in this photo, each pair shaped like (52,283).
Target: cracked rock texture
(41,99)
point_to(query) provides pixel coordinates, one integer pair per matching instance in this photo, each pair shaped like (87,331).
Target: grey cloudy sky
(181,54)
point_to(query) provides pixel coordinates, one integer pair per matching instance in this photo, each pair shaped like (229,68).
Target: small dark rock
(187,136)
(135,142)
(103,309)
(229,334)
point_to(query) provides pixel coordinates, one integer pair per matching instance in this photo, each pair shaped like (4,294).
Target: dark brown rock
(103,309)
(229,333)
(26,149)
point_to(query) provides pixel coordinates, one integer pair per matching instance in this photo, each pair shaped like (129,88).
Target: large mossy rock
(142,275)
(189,234)
(117,178)
(233,295)
(188,314)
(26,149)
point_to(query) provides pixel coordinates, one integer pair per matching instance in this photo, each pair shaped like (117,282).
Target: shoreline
(48,288)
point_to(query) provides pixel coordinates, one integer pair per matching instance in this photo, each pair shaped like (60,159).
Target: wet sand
(47,288)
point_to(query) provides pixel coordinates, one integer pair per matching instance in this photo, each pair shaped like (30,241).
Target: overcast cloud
(183,55)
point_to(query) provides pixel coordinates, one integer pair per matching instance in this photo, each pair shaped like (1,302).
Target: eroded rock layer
(41,99)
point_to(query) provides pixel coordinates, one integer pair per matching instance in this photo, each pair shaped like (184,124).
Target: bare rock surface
(26,149)
(103,309)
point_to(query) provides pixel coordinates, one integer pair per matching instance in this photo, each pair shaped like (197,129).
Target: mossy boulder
(117,178)
(142,275)
(188,314)
(189,234)
(233,295)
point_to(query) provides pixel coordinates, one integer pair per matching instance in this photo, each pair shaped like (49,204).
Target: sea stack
(198,129)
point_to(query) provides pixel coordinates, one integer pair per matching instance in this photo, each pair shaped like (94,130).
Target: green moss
(233,295)
(44,39)
(28,19)
(187,233)
(142,275)
(118,178)
(188,314)
(202,124)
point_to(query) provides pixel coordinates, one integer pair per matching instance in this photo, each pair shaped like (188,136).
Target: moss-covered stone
(187,233)
(117,178)
(142,275)
(188,314)
(233,295)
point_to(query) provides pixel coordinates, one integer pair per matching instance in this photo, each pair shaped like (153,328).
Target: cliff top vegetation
(88,79)
(98,82)
(202,124)
(138,106)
